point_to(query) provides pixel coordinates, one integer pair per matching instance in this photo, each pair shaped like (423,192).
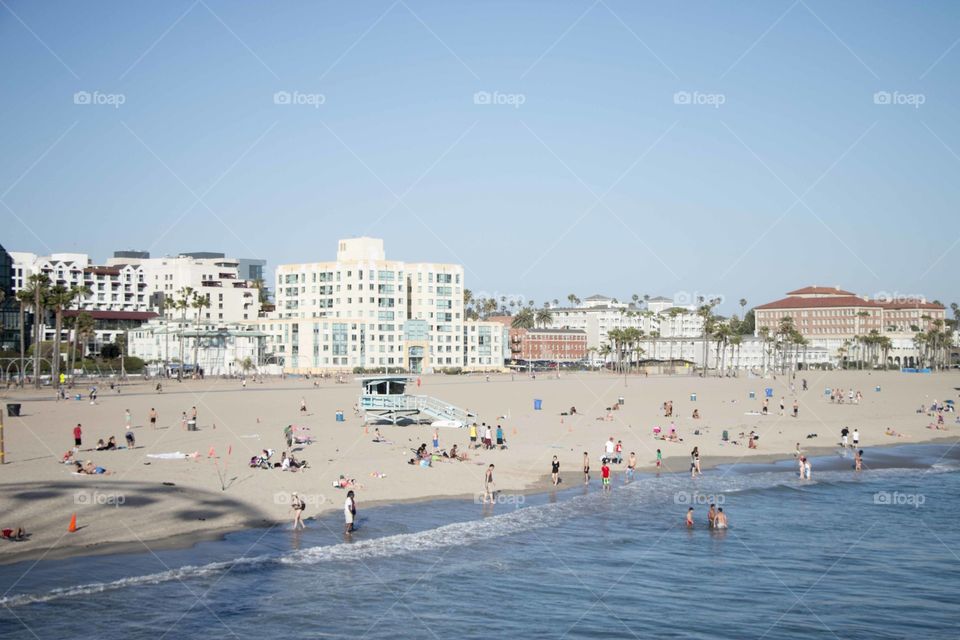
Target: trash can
(13,409)
(877,388)
(537,404)
(191,425)
(769,392)
(726,436)
(753,395)
(78,397)
(339,416)
(693,397)
(620,401)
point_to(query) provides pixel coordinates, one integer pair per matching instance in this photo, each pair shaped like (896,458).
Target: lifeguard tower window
(386,387)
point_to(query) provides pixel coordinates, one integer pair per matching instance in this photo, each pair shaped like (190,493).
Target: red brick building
(564,345)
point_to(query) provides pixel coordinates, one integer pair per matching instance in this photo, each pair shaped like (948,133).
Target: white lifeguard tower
(383,398)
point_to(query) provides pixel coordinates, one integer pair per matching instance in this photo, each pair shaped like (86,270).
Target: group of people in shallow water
(716,518)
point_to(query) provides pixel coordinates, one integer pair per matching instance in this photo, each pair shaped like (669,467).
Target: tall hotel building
(363,310)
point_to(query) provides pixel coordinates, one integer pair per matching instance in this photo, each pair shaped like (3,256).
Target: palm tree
(84,329)
(574,300)
(605,350)
(181,304)
(544,317)
(24,298)
(38,284)
(705,311)
(524,319)
(200,302)
(58,298)
(78,293)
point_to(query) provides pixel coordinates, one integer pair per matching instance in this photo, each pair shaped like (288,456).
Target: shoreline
(542,486)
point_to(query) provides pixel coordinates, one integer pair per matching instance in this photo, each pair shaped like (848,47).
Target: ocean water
(874,555)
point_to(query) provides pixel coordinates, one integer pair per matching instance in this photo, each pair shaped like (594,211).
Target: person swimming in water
(690,518)
(720,521)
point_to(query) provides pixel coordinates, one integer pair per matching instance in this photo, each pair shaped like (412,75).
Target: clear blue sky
(598,182)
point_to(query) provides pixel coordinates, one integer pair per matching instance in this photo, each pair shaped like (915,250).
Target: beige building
(832,318)
(362,310)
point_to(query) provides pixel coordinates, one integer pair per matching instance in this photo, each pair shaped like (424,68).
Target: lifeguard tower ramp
(384,399)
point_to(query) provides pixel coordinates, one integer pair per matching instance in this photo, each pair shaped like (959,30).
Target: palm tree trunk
(23,347)
(55,365)
(36,337)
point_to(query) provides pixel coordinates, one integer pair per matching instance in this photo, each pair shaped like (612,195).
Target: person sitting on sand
(89,469)
(696,414)
(101,445)
(376,436)
(13,534)
(752,442)
(111,444)
(573,411)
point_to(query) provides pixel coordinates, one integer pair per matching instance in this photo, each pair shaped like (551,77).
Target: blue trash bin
(339,416)
(769,392)
(753,395)
(537,404)
(693,397)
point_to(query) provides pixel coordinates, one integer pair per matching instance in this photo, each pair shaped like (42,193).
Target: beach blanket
(167,456)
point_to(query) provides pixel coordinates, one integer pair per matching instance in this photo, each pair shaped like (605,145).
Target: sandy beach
(149,503)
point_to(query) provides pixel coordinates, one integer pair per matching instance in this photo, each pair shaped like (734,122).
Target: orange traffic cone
(73,524)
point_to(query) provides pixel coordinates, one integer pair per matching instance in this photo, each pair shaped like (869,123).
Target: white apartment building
(124,292)
(222,349)
(232,299)
(363,310)
(486,345)
(599,315)
(118,287)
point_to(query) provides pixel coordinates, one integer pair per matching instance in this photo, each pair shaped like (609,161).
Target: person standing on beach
(473,435)
(77,436)
(711,515)
(690,518)
(796,409)
(153,418)
(183,420)
(349,512)
(766,406)
(856,437)
(555,471)
(303,405)
(488,437)
(586,468)
(782,404)
(500,442)
(127,418)
(297,504)
(631,465)
(605,475)
(843,436)
(436,440)
(695,460)
(796,453)
(488,486)
(659,459)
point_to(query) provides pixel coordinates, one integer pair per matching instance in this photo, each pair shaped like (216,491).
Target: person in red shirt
(605,474)
(77,436)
